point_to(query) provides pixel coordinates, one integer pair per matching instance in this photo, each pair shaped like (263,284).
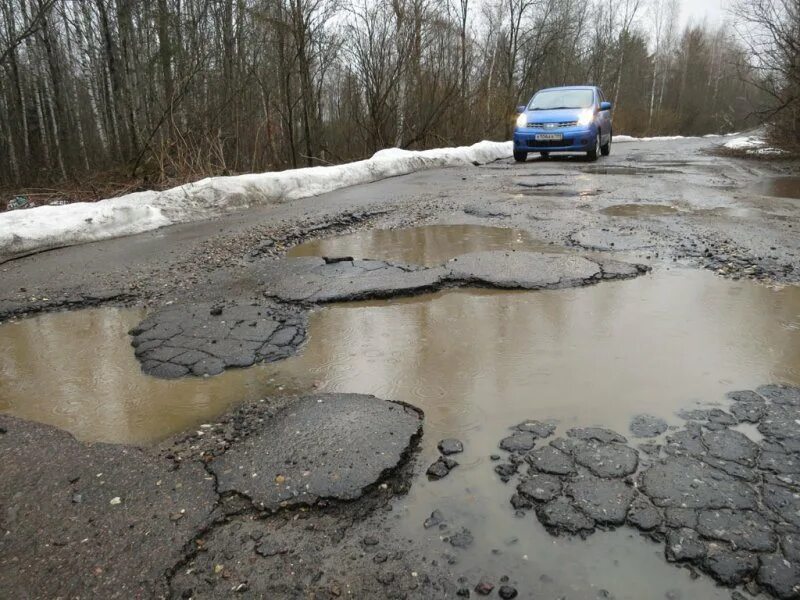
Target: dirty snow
(748,141)
(41,228)
(661,138)
(752,144)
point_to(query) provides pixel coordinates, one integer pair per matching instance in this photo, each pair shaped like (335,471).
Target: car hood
(554,116)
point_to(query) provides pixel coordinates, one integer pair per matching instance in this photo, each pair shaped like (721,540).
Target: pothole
(557,193)
(479,361)
(429,245)
(77,371)
(639,210)
(476,361)
(778,187)
(623,170)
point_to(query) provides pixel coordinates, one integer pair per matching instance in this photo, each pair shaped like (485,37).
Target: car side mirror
(605,106)
(521,108)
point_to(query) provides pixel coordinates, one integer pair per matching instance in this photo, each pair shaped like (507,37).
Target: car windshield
(553,99)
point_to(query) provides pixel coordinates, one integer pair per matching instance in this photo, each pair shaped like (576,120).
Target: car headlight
(585,118)
(522,120)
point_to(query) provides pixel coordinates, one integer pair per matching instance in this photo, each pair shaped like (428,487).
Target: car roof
(569,87)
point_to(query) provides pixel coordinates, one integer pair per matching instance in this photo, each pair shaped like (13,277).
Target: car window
(553,99)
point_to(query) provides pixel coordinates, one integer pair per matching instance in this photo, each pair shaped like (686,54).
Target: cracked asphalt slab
(114,521)
(717,500)
(300,456)
(205,339)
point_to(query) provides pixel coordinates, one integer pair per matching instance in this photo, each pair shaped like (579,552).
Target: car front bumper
(574,139)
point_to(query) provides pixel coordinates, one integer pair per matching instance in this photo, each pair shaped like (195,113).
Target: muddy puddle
(640,210)
(553,192)
(779,187)
(76,370)
(623,170)
(428,245)
(477,362)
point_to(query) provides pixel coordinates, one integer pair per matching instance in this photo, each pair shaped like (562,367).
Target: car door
(604,118)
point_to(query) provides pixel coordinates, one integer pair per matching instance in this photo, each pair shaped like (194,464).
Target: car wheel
(520,156)
(545,155)
(605,149)
(594,152)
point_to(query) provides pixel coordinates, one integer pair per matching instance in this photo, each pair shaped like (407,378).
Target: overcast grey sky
(696,10)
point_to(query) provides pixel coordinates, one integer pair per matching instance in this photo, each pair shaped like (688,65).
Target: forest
(158,92)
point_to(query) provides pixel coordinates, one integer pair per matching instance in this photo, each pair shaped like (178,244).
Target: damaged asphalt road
(113,521)
(205,339)
(718,501)
(721,221)
(294,497)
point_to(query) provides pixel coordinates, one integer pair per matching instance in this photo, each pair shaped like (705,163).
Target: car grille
(561,124)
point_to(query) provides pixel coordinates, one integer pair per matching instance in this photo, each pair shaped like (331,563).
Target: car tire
(545,155)
(605,149)
(594,152)
(520,156)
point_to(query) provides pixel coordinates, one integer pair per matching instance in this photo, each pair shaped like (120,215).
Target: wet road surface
(475,361)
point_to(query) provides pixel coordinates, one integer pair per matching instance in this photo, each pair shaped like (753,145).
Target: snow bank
(45,227)
(752,144)
(743,143)
(661,138)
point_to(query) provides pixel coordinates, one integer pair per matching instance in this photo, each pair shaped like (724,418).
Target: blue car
(564,119)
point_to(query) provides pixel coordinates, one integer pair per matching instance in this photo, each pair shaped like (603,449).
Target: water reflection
(429,245)
(77,370)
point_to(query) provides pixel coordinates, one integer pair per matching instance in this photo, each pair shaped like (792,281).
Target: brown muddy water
(76,370)
(779,187)
(429,245)
(640,210)
(477,362)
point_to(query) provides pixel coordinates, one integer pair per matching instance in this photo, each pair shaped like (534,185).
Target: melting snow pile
(661,138)
(44,227)
(752,144)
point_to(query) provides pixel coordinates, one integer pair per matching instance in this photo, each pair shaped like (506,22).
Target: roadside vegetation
(771,31)
(101,97)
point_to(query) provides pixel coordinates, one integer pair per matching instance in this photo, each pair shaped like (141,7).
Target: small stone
(77,498)
(507,592)
(538,428)
(506,471)
(116,500)
(462,539)
(450,446)
(441,468)
(521,441)
(484,587)
(370,540)
(463,592)
(435,519)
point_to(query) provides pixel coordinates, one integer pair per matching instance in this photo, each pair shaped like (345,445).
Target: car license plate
(549,137)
